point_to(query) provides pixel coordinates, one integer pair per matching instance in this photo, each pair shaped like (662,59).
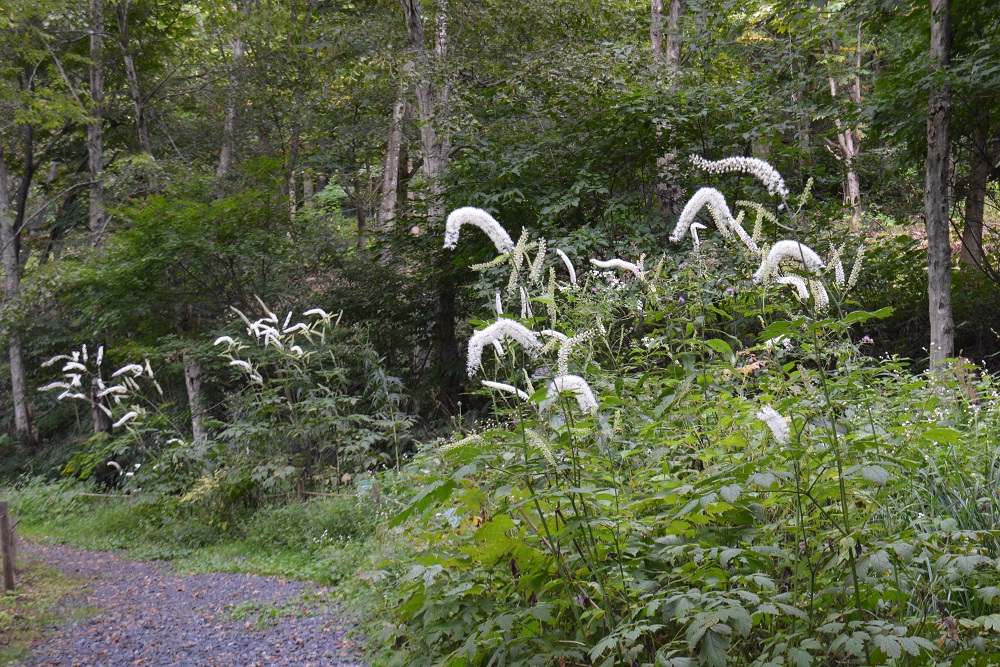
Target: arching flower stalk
(468,440)
(806,192)
(801,289)
(496,261)
(779,427)
(788,250)
(508,388)
(468,215)
(566,348)
(635,269)
(762,215)
(556,338)
(719,210)
(578,387)
(569,265)
(755,167)
(496,332)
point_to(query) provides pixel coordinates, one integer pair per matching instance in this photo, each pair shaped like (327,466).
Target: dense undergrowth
(678,465)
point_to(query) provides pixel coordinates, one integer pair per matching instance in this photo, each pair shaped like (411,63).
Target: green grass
(35,606)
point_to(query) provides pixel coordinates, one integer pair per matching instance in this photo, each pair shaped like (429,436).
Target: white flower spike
(578,386)
(494,333)
(635,269)
(510,389)
(777,424)
(569,265)
(469,215)
(790,250)
(756,167)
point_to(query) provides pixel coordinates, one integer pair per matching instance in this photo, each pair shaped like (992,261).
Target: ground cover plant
(691,460)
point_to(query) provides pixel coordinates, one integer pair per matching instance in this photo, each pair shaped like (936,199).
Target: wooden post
(14,546)
(7,548)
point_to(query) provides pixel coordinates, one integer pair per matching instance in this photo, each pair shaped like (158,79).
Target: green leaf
(875,474)
(720,346)
(435,492)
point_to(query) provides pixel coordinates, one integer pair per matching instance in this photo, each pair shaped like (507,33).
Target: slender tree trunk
(10,242)
(133,78)
(229,122)
(677,9)
(95,146)
(390,175)
(980,166)
(936,209)
(196,401)
(656,29)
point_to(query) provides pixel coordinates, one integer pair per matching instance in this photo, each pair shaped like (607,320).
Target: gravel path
(150,616)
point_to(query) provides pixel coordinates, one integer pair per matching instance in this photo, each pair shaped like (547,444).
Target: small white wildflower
(535,270)
(695,226)
(838,267)
(577,386)
(128,415)
(569,265)
(525,305)
(73,366)
(510,389)
(777,424)
(149,369)
(619,264)
(115,465)
(134,369)
(84,348)
(797,282)
(783,341)
(116,389)
(298,326)
(242,364)
(856,270)
(756,167)
(317,311)
(538,441)
(100,355)
(820,296)
(55,385)
(288,318)
(791,250)
(480,218)
(502,328)
(296,350)
(75,380)
(58,357)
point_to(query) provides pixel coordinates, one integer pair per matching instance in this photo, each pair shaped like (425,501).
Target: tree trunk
(95,146)
(229,122)
(936,209)
(449,362)
(390,175)
(133,78)
(656,29)
(980,166)
(9,240)
(677,9)
(196,401)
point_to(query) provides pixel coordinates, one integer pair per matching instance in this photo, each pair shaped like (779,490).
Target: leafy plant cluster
(750,487)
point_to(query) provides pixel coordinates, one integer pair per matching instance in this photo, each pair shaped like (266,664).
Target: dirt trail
(151,616)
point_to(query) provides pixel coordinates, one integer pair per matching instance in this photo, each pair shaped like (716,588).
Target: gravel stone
(151,616)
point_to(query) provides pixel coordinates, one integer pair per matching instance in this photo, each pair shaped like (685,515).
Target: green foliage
(680,524)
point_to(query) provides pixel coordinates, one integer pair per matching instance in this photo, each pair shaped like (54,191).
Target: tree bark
(980,166)
(849,146)
(133,78)
(10,234)
(936,209)
(196,401)
(677,9)
(656,29)
(95,146)
(390,175)
(432,106)
(229,121)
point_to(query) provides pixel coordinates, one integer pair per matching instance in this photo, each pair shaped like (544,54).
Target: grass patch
(38,604)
